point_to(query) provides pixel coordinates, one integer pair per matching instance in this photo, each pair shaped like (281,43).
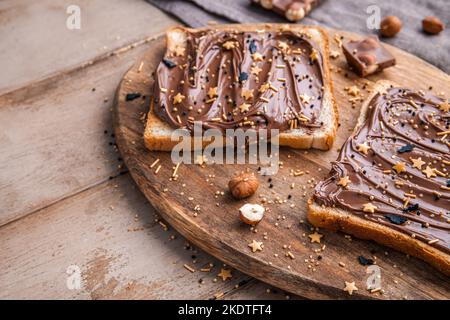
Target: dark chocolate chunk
(411,207)
(252,47)
(406,148)
(243,76)
(395,219)
(169,64)
(365,261)
(132,96)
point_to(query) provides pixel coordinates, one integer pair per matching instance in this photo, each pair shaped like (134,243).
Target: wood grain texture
(56,162)
(217,229)
(110,232)
(36,42)
(52,135)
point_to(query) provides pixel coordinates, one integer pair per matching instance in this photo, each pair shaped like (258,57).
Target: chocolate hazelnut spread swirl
(230,79)
(395,169)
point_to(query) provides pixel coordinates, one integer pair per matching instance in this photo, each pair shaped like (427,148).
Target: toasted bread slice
(337,219)
(157,135)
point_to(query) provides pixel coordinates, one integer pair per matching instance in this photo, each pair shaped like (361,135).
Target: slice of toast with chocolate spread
(256,76)
(391,182)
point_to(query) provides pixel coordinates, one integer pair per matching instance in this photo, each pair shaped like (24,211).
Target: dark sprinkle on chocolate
(406,148)
(364,261)
(395,219)
(252,47)
(448,183)
(243,76)
(132,96)
(169,64)
(411,207)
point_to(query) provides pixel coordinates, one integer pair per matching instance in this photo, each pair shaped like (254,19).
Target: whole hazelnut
(295,12)
(367,59)
(390,26)
(267,4)
(432,25)
(243,185)
(369,43)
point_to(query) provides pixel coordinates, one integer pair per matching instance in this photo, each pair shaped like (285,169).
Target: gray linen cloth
(349,15)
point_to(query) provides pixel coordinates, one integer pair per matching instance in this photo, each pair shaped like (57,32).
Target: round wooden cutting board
(311,270)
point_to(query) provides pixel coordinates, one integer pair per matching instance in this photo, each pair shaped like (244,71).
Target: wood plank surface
(52,134)
(36,43)
(217,229)
(56,162)
(110,232)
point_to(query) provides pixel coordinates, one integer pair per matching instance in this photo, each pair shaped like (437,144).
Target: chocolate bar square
(367,56)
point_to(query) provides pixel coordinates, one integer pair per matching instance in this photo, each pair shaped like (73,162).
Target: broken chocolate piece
(367,56)
(395,219)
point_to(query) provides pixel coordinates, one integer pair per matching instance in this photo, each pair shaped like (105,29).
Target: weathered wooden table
(67,204)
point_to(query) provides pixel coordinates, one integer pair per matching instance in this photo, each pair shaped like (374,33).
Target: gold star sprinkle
(212,92)
(417,163)
(256,70)
(399,167)
(264,87)
(429,172)
(247,94)
(178,98)
(179,51)
(315,237)
(229,45)
(334,54)
(225,274)
(363,147)
(353,91)
(314,56)
(368,207)
(244,107)
(344,181)
(444,106)
(257,56)
(283,46)
(256,246)
(305,98)
(350,287)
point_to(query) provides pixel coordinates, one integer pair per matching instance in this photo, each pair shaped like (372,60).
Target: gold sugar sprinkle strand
(433,241)
(175,170)
(264,99)
(140,67)
(439,172)
(298,173)
(410,195)
(413,104)
(443,133)
(273,88)
(154,163)
(157,169)
(445,188)
(188,267)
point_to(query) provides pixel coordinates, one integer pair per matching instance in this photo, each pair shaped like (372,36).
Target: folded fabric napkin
(349,15)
